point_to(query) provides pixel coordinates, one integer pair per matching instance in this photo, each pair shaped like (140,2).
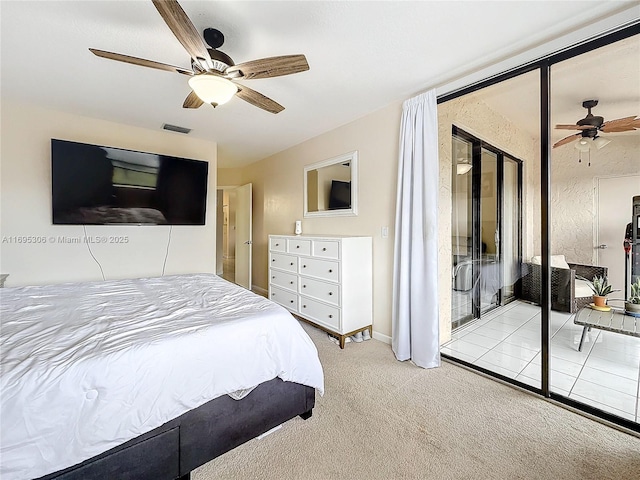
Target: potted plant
(601,288)
(632,305)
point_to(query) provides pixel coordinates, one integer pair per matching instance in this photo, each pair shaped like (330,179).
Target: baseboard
(259,291)
(382,338)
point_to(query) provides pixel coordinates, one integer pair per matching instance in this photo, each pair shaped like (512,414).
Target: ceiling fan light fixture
(600,142)
(462,168)
(582,145)
(212,88)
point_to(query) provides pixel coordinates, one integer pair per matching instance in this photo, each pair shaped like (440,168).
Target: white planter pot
(632,307)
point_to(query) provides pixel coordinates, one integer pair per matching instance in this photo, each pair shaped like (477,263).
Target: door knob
(602,247)
(248,242)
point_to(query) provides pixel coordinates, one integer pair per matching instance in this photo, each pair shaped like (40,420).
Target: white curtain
(415,321)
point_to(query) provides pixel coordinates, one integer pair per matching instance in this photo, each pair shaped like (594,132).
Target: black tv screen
(98,185)
(340,195)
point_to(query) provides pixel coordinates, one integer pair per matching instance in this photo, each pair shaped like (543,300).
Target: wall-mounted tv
(339,195)
(98,185)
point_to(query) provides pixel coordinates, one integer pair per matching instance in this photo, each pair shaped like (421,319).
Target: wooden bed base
(174,449)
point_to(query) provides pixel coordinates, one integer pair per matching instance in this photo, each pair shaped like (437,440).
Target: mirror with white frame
(331,187)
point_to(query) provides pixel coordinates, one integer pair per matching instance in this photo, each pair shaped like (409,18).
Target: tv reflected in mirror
(330,187)
(99,185)
(339,195)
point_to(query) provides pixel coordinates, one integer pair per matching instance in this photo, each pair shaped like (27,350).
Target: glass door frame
(543,66)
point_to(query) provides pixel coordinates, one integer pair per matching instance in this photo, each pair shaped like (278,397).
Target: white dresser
(325,280)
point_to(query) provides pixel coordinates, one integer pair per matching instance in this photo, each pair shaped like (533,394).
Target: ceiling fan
(591,125)
(213,73)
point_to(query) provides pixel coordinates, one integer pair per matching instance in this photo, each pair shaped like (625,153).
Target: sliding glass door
(486,224)
(528,233)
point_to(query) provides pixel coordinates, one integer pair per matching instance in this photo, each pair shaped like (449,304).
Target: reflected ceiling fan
(213,73)
(591,125)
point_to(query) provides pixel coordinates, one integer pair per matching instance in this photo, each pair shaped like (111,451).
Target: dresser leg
(342,337)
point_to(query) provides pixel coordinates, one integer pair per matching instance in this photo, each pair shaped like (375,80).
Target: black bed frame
(174,449)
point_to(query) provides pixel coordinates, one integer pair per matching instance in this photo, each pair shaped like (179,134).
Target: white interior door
(244,236)
(615,205)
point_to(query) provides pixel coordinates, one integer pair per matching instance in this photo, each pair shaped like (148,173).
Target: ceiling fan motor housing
(591,120)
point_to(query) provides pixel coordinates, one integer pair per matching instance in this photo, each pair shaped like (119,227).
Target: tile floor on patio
(606,374)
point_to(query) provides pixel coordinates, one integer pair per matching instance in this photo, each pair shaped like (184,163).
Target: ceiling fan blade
(618,128)
(566,140)
(573,127)
(621,124)
(175,18)
(270,67)
(258,100)
(192,101)
(139,61)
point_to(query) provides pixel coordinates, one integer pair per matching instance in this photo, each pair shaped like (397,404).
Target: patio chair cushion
(582,289)
(557,261)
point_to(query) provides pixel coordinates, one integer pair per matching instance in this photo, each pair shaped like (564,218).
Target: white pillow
(583,289)
(557,261)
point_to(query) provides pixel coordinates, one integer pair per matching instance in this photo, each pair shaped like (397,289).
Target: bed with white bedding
(87,367)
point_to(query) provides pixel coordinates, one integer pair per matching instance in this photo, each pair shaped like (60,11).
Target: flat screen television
(339,195)
(98,185)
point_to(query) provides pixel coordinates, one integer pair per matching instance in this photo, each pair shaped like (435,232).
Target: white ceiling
(362,56)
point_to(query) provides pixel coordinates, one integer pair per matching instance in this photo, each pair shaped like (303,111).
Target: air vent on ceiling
(175,128)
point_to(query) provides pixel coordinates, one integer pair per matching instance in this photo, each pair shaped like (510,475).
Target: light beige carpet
(383,419)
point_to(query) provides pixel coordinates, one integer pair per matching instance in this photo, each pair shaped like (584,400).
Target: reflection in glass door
(489,278)
(511,253)
(462,233)
(486,225)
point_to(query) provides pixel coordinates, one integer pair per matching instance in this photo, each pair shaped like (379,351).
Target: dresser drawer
(325,315)
(284,280)
(277,244)
(284,298)
(327,292)
(324,269)
(325,249)
(284,262)
(299,247)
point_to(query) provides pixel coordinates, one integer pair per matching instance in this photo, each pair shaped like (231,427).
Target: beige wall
(229,177)
(573,208)
(25,208)
(278,197)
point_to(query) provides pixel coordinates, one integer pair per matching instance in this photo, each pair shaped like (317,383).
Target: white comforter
(86,367)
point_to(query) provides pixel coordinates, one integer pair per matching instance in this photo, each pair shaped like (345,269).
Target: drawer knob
(304,266)
(273,276)
(330,271)
(304,306)
(291,283)
(330,293)
(273,294)
(291,301)
(277,244)
(291,263)
(304,286)
(330,316)
(297,246)
(324,249)
(273,259)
